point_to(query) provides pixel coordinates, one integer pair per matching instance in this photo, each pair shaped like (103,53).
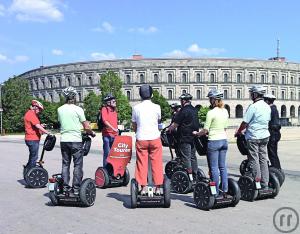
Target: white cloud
(57,52)
(16,59)
(105,27)
(177,54)
(194,48)
(36,10)
(2,10)
(102,56)
(143,30)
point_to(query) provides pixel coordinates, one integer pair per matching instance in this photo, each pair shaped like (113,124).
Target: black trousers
(272,149)
(187,152)
(71,150)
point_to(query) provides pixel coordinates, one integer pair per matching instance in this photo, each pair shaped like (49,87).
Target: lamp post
(1,110)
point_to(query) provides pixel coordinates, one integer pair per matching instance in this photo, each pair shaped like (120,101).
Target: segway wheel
(167,193)
(87,192)
(243,167)
(203,198)
(133,193)
(169,168)
(180,182)
(234,191)
(283,175)
(53,198)
(200,174)
(278,174)
(126,177)
(248,189)
(274,184)
(36,177)
(101,177)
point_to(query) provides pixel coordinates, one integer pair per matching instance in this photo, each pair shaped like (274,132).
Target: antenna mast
(278,48)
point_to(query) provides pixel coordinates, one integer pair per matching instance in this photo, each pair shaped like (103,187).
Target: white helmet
(69,92)
(257,89)
(214,93)
(269,96)
(37,104)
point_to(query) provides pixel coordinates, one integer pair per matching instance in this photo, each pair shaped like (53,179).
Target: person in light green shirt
(72,121)
(215,127)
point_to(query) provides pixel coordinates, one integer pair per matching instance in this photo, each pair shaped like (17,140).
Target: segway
(205,189)
(250,187)
(115,173)
(87,192)
(174,169)
(241,142)
(37,176)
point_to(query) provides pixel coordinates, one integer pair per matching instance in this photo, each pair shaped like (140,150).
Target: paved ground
(26,210)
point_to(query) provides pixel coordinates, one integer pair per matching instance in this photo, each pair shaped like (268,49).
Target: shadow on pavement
(125,198)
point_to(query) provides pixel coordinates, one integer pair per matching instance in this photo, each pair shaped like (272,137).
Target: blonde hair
(219,103)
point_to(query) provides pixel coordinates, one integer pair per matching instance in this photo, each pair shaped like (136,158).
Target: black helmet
(108,97)
(175,106)
(146,91)
(186,96)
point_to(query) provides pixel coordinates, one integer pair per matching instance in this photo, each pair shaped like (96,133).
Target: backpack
(100,120)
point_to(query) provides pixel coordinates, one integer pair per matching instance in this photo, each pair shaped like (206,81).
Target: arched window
(89,80)
(299,112)
(292,95)
(238,94)
(170,94)
(263,79)
(59,82)
(184,79)
(170,78)
(225,94)
(239,111)
(283,111)
(79,97)
(44,97)
(225,77)
(43,84)
(198,94)
(299,81)
(273,79)
(78,80)
(155,78)
(50,84)
(31,85)
(238,78)
(142,78)
(68,83)
(212,78)
(292,112)
(128,94)
(227,107)
(51,98)
(282,79)
(251,78)
(128,80)
(292,80)
(198,77)
(282,95)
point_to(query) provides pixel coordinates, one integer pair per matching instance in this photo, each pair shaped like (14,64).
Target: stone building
(171,77)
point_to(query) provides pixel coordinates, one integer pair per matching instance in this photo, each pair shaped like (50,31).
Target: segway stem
(41,162)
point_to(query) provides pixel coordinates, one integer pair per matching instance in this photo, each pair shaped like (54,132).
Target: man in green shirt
(72,120)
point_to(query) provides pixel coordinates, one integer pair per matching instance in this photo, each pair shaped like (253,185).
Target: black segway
(205,189)
(87,192)
(250,187)
(37,176)
(174,169)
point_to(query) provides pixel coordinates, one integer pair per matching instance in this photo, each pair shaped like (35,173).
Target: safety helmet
(214,93)
(37,104)
(69,92)
(269,96)
(108,97)
(186,96)
(175,106)
(257,89)
(146,91)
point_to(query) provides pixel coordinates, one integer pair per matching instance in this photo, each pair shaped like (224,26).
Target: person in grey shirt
(256,123)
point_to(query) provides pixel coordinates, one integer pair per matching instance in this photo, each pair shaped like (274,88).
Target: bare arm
(110,126)
(242,127)
(41,128)
(87,128)
(172,127)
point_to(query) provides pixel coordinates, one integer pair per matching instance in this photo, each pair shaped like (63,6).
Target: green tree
(49,115)
(91,105)
(164,105)
(110,82)
(202,113)
(15,101)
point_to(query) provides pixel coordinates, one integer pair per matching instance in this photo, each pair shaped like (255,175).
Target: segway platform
(115,173)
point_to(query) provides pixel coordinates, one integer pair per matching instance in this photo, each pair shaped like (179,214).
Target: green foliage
(49,115)
(91,106)
(164,105)
(110,82)
(16,100)
(202,113)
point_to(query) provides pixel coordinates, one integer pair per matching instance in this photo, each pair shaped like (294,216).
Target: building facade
(172,77)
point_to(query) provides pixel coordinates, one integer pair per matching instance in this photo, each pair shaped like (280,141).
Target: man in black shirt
(274,129)
(186,121)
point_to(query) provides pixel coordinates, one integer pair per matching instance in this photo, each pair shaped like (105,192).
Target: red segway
(115,173)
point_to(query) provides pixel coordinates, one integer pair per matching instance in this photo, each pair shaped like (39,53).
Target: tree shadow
(121,197)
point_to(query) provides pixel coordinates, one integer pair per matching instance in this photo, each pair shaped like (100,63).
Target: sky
(49,32)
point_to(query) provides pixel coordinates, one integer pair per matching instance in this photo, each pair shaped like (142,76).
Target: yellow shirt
(216,122)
